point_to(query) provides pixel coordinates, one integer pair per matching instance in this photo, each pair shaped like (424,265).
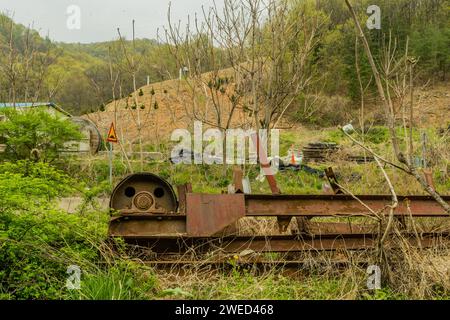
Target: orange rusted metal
(183,190)
(339,205)
(281,243)
(428,173)
(237,179)
(210,214)
(146,225)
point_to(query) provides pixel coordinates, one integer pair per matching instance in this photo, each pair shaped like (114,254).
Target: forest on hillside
(83,78)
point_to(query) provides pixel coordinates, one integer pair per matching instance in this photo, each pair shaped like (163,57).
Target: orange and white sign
(112,135)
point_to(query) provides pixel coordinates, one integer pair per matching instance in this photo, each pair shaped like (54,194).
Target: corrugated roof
(24,104)
(33,105)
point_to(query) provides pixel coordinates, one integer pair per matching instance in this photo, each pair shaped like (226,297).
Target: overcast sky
(99,18)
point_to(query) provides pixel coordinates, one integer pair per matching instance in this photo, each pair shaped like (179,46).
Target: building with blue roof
(49,106)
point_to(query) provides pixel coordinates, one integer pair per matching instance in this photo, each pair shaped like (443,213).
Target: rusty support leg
(333,181)
(265,165)
(339,205)
(183,190)
(237,179)
(283,222)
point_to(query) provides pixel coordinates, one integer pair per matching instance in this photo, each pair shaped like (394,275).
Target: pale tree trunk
(116,118)
(132,66)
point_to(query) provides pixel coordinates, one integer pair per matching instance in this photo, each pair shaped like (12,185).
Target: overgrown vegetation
(39,240)
(36,134)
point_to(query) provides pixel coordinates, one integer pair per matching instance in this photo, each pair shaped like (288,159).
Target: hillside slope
(163,107)
(166,106)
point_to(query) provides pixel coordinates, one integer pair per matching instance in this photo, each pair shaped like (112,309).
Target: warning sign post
(112,135)
(112,138)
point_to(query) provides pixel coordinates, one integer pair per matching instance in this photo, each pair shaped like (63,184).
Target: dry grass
(408,271)
(409,274)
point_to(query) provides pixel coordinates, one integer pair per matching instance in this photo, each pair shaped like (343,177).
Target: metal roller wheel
(144,193)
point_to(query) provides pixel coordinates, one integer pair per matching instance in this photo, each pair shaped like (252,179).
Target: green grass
(244,284)
(121,281)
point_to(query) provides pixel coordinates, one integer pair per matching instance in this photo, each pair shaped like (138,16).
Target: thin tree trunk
(391,116)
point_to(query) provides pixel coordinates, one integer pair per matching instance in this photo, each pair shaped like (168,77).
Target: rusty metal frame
(208,215)
(147,225)
(206,221)
(282,243)
(339,205)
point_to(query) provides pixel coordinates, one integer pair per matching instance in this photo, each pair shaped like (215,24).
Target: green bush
(28,185)
(38,242)
(377,135)
(36,134)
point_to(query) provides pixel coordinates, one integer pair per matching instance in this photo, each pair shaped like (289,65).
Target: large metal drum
(144,193)
(92,141)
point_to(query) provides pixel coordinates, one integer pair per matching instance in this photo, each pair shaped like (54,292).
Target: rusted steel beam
(183,190)
(288,243)
(338,205)
(145,225)
(169,225)
(320,243)
(237,179)
(336,228)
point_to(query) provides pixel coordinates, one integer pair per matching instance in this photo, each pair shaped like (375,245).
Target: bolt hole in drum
(159,192)
(144,192)
(130,192)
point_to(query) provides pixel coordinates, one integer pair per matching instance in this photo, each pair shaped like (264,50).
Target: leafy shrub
(27,185)
(377,135)
(37,242)
(36,134)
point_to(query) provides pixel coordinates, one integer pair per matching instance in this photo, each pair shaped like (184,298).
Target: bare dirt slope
(166,106)
(163,107)
(433,106)
(159,111)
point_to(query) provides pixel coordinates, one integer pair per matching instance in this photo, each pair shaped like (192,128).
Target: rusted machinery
(147,212)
